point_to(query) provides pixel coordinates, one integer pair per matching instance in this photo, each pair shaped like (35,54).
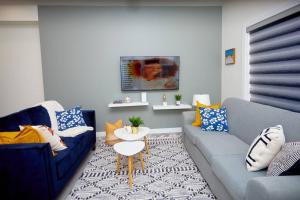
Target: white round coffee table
(129,149)
(142,133)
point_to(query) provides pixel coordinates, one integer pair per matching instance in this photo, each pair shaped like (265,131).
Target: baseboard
(152,131)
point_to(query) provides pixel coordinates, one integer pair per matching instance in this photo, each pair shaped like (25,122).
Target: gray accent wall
(81,49)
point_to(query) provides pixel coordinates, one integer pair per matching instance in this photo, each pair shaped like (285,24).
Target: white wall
(21,81)
(236,15)
(18,12)
(88,42)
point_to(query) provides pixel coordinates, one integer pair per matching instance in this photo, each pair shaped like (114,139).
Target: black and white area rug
(169,174)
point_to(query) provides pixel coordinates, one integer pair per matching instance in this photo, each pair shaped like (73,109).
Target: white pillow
(50,136)
(264,148)
(72,132)
(51,107)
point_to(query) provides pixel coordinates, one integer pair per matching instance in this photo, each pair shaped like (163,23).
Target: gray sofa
(220,157)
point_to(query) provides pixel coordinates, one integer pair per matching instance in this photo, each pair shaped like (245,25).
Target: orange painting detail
(159,72)
(153,68)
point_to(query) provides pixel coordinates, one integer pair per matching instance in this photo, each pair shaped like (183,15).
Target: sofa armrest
(274,188)
(27,171)
(188,117)
(90,118)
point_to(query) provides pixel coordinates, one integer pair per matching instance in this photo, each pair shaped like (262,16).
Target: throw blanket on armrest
(73,132)
(27,135)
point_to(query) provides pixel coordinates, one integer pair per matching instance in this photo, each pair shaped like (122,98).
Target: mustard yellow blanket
(27,135)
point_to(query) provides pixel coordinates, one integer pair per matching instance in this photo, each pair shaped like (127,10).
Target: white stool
(129,149)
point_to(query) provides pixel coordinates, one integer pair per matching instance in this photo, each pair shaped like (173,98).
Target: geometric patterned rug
(169,173)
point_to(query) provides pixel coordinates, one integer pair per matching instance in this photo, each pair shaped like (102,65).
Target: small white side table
(142,133)
(129,149)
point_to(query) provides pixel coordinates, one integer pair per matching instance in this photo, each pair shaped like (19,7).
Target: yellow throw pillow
(198,121)
(109,129)
(27,135)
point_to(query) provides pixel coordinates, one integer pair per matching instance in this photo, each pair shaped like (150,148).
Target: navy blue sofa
(30,171)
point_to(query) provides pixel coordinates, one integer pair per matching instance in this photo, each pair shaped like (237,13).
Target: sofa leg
(94,147)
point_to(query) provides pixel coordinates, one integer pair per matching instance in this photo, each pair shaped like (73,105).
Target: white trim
(131,3)
(166,130)
(100,134)
(152,131)
(245,64)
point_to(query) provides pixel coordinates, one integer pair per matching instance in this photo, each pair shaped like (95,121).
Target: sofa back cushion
(11,122)
(247,119)
(39,116)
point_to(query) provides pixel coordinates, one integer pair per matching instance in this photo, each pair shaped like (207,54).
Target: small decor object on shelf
(117,101)
(135,122)
(128,129)
(144,96)
(178,99)
(230,56)
(127,100)
(165,103)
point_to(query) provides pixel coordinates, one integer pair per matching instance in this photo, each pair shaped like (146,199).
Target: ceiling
(117,2)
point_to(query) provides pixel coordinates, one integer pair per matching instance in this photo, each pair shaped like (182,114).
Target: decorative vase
(135,130)
(144,96)
(127,100)
(165,103)
(178,103)
(128,129)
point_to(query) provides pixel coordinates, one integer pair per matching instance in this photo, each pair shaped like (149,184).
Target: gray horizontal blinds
(275,62)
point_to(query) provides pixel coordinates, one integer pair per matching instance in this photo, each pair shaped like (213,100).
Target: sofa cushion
(191,131)
(287,161)
(39,116)
(264,148)
(214,119)
(220,144)
(195,132)
(11,122)
(199,105)
(231,171)
(67,158)
(247,119)
(69,118)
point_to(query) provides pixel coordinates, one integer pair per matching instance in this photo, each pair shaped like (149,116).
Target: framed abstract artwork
(144,73)
(230,56)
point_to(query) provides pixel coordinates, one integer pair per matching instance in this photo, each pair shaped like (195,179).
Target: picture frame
(148,73)
(230,56)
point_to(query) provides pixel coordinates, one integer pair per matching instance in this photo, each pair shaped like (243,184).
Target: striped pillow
(287,161)
(264,148)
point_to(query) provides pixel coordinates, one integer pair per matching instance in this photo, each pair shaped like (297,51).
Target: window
(275,60)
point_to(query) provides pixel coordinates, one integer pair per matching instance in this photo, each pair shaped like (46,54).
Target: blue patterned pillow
(214,119)
(70,118)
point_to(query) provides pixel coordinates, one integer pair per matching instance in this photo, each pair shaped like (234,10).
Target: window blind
(275,61)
